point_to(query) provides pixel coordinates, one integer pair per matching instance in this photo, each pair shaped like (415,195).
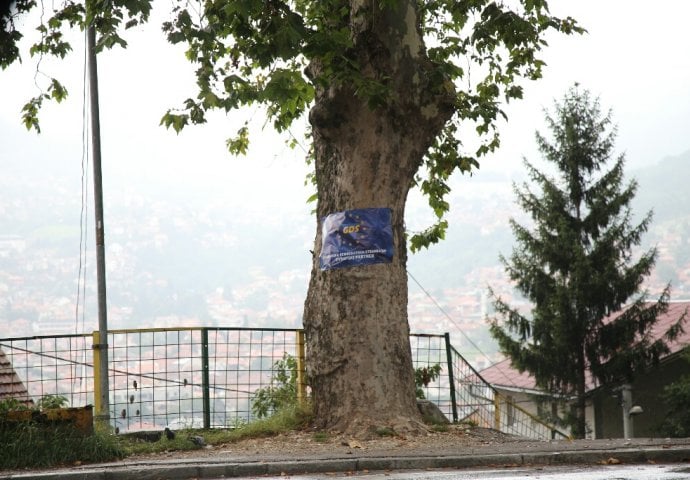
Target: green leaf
(30,112)
(428,237)
(240,143)
(174,121)
(57,91)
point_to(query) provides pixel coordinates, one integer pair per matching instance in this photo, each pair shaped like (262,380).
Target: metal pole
(301,377)
(205,381)
(103,416)
(626,404)
(497,411)
(451,377)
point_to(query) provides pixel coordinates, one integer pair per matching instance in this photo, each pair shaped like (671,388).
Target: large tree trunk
(358,352)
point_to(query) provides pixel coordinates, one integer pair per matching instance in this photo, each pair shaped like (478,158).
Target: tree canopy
(276,53)
(576,264)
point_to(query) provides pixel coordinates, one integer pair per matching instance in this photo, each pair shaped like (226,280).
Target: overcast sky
(636,57)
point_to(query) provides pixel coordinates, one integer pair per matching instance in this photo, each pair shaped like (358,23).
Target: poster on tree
(356,237)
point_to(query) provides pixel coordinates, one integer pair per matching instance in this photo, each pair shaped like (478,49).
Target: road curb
(207,469)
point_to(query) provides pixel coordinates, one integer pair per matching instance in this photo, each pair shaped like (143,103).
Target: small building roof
(11,386)
(503,375)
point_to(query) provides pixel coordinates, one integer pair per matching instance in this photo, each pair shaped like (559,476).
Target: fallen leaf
(354,444)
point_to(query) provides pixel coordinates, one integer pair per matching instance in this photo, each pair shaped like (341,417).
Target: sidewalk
(510,454)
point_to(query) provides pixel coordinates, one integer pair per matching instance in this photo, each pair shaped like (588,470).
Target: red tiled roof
(502,374)
(11,386)
(675,310)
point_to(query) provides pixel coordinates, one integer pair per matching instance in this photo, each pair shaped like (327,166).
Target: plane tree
(385,86)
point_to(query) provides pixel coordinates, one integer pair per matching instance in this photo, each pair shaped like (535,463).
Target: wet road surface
(614,472)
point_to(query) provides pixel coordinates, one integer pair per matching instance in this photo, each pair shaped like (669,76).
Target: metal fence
(480,404)
(196,378)
(208,377)
(464,396)
(52,365)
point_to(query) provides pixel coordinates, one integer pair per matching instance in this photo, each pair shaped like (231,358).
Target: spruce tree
(576,266)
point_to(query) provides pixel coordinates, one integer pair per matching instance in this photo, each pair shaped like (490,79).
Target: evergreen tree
(576,266)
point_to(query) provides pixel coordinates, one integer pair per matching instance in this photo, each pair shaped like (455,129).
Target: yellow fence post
(301,377)
(497,412)
(97,403)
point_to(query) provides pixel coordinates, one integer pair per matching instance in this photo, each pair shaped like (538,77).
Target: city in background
(182,261)
(194,237)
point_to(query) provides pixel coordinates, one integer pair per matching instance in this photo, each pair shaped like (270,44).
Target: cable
(81,282)
(441,309)
(447,315)
(81,273)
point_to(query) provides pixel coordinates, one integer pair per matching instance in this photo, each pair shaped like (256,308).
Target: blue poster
(356,237)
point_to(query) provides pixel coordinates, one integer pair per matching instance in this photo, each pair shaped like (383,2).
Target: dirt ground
(304,444)
(457,440)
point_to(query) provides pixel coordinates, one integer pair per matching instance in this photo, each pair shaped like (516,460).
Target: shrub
(31,443)
(423,376)
(281,393)
(52,401)
(676,396)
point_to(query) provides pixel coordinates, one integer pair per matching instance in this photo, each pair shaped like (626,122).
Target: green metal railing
(464,396)
(182,377)
(481,404)
(192,377)
(53,365)
(207,377)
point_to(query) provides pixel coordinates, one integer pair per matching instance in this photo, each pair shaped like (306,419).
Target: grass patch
(135,445)
(321,437)
(292,417)
(385,432)
(288,419)
(33,445)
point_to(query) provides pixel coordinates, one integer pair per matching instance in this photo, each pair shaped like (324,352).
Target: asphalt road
(616,472)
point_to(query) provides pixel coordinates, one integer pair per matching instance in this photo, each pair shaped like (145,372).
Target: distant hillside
(664,188)
(178,254)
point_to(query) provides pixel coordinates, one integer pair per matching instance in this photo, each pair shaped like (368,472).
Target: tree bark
(358,352)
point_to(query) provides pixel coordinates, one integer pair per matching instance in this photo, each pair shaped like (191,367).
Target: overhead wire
(83,219)
(80,304)
(452,320)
